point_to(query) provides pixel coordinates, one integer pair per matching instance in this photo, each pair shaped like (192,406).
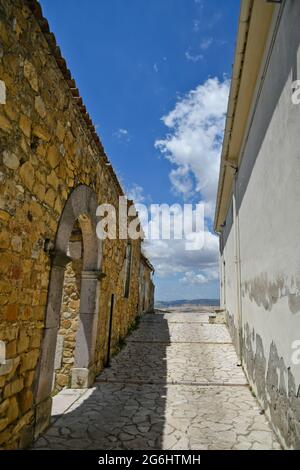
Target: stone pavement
(175,385)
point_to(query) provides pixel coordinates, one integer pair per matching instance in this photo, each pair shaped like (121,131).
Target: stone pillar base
(42,416)
(81,378)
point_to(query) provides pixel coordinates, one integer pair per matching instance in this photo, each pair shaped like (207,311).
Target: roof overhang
(253,28)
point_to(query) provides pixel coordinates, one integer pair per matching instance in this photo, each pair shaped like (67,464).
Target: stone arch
(80,207)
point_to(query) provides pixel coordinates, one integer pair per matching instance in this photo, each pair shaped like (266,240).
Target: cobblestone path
(175,385)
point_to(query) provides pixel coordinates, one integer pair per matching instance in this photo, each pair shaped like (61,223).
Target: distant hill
(177,303)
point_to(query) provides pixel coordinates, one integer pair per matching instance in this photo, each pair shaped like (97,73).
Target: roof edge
(252,12)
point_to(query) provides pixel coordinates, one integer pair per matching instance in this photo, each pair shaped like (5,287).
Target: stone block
(40,106)
(5,124)
(11,312)
(50,197)
(29,360)
(27,175)
(25,400)
(16,243)
(53,180)
(4,406)
(13,410)
(81,378)
(13,388)
(3,423)
(53,156)
(23,341)
(31,74)
(62,380)
(25,125)
(10,160)
(59,351)
(41,133)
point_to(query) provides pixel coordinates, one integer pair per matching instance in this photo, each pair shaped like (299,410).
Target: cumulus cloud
(171,256)
(193,147)
(193,144)
(191,277)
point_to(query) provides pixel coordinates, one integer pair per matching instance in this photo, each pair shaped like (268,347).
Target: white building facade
(258,209)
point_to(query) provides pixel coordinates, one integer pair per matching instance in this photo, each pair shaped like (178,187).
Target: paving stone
(175,385)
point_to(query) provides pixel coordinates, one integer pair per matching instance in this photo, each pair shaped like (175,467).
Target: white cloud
(193,144)
(193,57)
(171,257)
(190,277)
(206,43)
(193,147)
(155,67)
(136,194)
(122,134)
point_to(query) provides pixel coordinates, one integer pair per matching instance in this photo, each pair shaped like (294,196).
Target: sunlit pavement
(175,385)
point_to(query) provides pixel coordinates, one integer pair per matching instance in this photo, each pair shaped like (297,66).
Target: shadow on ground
(115,415)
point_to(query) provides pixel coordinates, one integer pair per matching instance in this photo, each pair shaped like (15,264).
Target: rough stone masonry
(53,174)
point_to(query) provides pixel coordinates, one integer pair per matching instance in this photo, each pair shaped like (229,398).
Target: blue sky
(135,62)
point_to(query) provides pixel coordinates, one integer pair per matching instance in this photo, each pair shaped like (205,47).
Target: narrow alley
(175,385)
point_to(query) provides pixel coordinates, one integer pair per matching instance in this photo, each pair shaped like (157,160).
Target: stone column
(45,369)
(82,375)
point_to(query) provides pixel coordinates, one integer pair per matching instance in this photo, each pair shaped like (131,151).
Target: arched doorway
(77,220)
(69,314)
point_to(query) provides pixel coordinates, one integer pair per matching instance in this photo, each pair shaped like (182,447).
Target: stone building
(146,286)
(66,297)
(257,212)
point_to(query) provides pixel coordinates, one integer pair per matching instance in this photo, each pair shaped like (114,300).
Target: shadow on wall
(126,407)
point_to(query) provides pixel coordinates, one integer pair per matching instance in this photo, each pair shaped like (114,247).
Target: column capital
(93,274)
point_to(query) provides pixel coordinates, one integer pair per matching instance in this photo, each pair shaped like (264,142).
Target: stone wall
(68,325)
(48,147)
(146,286)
